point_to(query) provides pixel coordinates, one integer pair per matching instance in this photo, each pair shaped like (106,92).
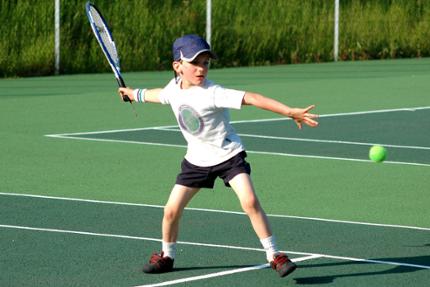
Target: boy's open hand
(301,116)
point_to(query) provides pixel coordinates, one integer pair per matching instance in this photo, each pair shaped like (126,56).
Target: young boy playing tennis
(214,149)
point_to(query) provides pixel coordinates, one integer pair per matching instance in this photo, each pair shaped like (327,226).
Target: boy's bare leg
(280,262)
(178,199)
(242,185)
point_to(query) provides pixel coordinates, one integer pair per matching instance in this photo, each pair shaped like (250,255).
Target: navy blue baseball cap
(188,47)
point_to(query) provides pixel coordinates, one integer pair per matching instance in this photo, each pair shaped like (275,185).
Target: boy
(214,149)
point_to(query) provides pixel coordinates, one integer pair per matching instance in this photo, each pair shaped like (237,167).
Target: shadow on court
(417,260)
(223,267)
(55,239)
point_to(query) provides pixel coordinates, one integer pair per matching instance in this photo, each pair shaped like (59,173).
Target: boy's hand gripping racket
(104,37)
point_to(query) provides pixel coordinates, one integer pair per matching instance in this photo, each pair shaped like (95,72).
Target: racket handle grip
(122,85)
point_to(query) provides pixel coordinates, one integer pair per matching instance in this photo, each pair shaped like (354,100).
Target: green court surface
(83,181)
(340,136)
(99,244)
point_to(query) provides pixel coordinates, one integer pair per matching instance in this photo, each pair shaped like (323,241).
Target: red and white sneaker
(159,264)
(283,265)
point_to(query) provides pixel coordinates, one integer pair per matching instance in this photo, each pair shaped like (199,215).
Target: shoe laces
(156,257)
(279,260)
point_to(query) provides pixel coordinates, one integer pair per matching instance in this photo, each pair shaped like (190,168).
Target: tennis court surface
(340,136)
(89,243)
(83,181)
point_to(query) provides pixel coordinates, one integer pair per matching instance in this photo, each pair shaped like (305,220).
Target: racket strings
(105,36)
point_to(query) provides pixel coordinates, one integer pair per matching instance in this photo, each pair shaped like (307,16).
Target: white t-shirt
(203,116)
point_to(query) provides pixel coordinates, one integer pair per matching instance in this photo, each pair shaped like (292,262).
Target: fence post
(336,30)
(208,21)
(57,37)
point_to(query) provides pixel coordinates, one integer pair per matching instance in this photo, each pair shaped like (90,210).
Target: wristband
(139,95)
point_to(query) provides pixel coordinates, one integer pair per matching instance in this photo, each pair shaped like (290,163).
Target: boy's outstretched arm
(150,95)
(299,115)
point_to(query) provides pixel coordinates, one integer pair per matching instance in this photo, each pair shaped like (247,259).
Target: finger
(299,124)
(123,96)
(309,108)
(311,122)
(122,91)
(311,116)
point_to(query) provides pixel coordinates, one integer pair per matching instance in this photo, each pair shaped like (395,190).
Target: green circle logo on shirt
(190,120)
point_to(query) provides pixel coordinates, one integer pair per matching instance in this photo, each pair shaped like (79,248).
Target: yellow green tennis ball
(377,153)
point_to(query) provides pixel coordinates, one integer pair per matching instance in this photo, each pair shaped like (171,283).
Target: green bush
(245,32)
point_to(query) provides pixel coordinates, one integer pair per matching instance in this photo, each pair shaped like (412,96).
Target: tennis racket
(105,39)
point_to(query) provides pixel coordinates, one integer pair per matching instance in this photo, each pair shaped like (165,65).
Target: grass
(279,32)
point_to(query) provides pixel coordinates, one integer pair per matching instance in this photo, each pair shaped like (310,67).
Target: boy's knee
(171,214)
(251,205)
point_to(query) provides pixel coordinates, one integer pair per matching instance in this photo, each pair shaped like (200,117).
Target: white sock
(269,245)
(169,249)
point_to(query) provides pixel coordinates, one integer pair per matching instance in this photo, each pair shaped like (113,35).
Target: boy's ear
(177,66)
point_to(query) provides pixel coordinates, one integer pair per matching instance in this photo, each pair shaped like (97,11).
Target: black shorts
(204,177)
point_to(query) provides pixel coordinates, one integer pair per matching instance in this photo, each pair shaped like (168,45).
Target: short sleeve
(164,97)
(228,98)
(167,92)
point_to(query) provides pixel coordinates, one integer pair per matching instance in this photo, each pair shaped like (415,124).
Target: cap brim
(212,55)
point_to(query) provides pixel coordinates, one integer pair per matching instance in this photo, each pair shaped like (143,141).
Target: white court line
(315,140)
(333,141)
(317,255)
(337,158)
(215,211)
(114,141)
(108,235)
(327,115)
(245,121)
(375,261)
(206,276)
(248,151)
(109,131)
(75,136)
(223,273)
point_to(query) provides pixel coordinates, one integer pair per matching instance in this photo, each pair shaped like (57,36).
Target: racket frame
(114,65)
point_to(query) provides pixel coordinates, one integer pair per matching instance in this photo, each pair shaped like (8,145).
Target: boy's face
(193,73)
